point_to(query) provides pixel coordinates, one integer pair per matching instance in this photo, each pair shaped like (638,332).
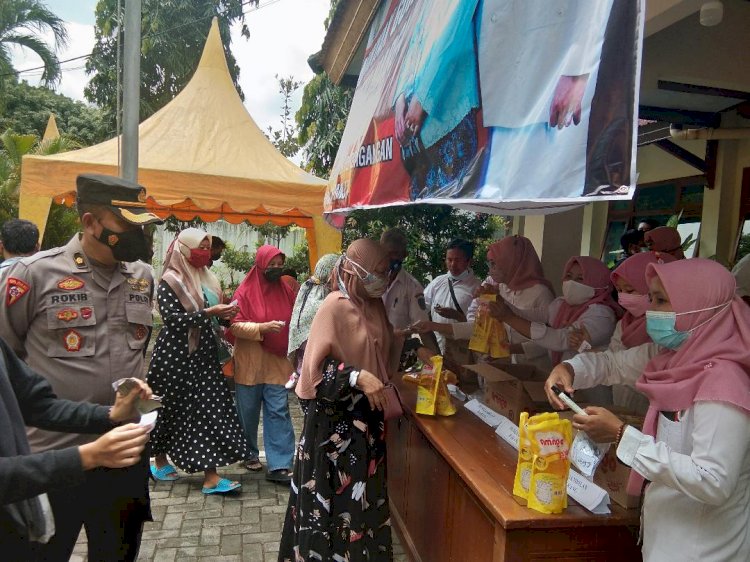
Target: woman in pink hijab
(692,456)
(666,240)
(629,278)
(585,313)
(516,275)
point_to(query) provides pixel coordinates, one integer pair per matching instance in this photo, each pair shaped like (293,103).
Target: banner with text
(507,106)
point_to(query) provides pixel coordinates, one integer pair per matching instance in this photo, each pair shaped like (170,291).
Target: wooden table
(450,483)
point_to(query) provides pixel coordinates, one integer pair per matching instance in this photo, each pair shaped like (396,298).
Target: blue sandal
(224,486)
(166,473)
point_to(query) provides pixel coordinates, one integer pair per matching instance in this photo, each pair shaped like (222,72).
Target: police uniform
(83,325)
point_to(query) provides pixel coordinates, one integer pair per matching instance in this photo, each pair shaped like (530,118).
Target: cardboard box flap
(490,373)
(535,391)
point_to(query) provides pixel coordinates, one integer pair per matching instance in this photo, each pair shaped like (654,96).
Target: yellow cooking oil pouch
(522,480)
(550,440)
(445,405)
(428,385)
(489,335)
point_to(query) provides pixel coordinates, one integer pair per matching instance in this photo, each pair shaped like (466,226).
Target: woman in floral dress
(338,506)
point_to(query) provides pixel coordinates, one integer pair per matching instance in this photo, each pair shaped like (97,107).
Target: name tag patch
(72,341)
(14,290)
(70,284)
(69,298)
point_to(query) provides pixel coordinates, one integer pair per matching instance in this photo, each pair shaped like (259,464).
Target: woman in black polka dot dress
(198,427)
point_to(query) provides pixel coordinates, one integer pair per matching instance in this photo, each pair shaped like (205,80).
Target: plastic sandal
(166,473)
(224,486)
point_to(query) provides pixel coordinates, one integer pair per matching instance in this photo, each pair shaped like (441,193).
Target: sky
(283,34)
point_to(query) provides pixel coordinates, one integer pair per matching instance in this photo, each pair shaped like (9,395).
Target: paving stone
(211,536)
(252,552)
(197,551)
(178,542)
(231,544)
(172,521)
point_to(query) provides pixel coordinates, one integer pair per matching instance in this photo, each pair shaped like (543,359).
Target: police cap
(124,198)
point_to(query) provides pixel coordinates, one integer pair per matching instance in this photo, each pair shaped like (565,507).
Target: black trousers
(112,505)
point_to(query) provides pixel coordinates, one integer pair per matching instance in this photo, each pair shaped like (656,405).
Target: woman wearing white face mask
(338,505)
(585,312)
(693,455)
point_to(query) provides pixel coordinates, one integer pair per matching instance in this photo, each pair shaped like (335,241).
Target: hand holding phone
(568,401)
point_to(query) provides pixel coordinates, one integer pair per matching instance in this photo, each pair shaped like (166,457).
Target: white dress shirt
(404,301)
(697,507)
(437,293)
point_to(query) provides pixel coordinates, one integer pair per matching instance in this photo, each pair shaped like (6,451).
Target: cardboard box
(507,393)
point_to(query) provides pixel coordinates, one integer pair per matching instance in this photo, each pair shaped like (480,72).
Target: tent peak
(213,51)
(51,132)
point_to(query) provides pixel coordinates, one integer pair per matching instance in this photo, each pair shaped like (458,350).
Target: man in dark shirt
(27,399)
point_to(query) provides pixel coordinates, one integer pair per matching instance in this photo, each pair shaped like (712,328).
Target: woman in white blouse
(693,454)
(585,312)
(516,274)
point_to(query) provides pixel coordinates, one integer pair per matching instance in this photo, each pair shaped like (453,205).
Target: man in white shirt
(18,238)
(404,298)
(449,296)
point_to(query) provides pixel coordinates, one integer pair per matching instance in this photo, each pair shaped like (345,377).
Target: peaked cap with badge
(124,198)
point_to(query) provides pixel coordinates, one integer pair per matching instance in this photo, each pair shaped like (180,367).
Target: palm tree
(21,21)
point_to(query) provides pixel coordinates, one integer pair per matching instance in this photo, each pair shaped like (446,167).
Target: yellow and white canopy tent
(201,155)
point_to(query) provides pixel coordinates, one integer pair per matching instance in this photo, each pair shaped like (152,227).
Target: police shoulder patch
(14,290)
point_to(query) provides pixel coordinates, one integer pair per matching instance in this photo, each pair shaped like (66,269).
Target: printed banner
(506,106)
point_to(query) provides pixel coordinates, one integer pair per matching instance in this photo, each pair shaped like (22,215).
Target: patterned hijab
(311,295)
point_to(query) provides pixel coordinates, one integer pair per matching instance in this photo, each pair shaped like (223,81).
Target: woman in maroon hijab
(261,330)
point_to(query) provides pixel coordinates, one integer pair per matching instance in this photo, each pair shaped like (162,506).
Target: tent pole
(131,90)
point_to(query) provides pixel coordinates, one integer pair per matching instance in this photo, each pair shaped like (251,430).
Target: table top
(487,465)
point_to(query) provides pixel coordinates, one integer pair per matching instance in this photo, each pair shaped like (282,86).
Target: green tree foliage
(173,35)
(321,120)
(27,109)
(21,23)
(63,222)
(285,139)
(429,229)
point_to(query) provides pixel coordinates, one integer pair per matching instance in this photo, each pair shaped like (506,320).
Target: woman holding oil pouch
(585,312)
(694,451)
(516,275)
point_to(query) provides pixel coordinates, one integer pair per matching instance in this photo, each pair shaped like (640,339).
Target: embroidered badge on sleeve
(14,290)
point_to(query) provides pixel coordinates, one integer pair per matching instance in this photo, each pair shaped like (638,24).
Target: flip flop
(166,473)
(253,465)
(224,486)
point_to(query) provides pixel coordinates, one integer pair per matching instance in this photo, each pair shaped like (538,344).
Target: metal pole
(131,93)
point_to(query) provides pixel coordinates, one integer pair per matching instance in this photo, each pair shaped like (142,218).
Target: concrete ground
(190,526)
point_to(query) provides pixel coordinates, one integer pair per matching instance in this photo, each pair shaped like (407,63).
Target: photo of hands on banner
(493,100)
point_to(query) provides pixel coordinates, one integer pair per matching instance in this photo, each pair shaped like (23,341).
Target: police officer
(80,315)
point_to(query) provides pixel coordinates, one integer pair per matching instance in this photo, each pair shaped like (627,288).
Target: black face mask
(273,274)
(395,266)
(131,245)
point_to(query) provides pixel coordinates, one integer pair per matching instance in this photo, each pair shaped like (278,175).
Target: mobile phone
(568,401)
(235,302)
